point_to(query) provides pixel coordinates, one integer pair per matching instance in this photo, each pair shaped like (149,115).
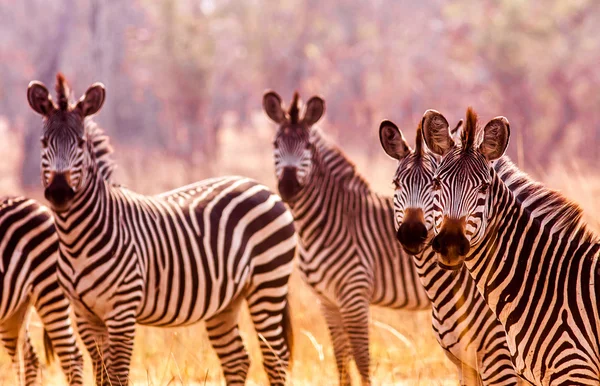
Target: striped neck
(86,214)
(524,216)
(332,175)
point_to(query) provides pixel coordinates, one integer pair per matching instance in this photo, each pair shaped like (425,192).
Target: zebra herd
(506,265)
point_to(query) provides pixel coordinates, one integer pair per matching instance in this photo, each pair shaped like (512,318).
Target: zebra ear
(436,132)
(495,138)
(93,99)
(392,140)
(273,106)
(315,107)
(455,133)
(39,98)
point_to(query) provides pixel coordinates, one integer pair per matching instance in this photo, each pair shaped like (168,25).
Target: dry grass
(403,349)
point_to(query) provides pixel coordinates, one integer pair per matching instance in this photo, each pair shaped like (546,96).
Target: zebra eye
(81,142)
(44,142)
(308,145)
(484,187)
(436,184)
(396,184)
(275,145)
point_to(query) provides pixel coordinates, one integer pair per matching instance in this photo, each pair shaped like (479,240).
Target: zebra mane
(470,129)
(294,110)
(63,92)
(548,204)
(332,158)
(419,140)
(102,149)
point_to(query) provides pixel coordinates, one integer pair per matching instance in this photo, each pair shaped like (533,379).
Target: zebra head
(293,149)
(461,182)
(413,202)
(67,154)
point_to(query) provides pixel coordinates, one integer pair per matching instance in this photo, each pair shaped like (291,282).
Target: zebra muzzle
(59,193)
(412,233)
(451,244)
(288,185)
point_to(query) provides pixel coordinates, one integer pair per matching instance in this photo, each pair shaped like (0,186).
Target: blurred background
(185,80)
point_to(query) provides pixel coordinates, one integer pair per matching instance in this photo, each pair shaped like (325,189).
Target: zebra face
(66,154)
(293,161)
(293,150)
(413,205)
(461,183)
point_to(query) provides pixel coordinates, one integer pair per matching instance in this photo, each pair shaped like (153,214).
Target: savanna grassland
(403,349)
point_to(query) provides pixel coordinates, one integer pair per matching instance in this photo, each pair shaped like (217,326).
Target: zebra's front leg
(9,332)
(57,325)
(121,335)
(224,335)
(94,335)
(354,309)
(339,339)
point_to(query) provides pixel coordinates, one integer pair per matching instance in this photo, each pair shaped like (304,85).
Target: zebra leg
(355,316)
(32,363)
(9,333)
(271,318)
(225,338)
(121,335)
(57,324)
(94,335)
(339,339)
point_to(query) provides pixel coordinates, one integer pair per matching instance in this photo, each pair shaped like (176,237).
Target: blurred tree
(175,68)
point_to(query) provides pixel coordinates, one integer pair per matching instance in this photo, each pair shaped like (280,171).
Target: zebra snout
(288,185)
(451,244)
(58,192)
(412,233)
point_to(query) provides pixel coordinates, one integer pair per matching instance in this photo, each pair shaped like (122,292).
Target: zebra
(530,254)
(29,254)
(192,254)
(465,327)
(347,250)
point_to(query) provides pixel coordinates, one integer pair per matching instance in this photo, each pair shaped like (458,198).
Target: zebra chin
(450,252)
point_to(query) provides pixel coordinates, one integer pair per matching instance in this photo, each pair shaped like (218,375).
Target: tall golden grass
(403,349)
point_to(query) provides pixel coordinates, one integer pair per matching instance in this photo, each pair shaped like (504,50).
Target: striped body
(176,259)
(348,253)
(541,276)
(28,262)
(170,260)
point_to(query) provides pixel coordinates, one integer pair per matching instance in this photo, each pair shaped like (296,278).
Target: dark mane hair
(419,140)
(294,110)
(470,130)
(549,204)
(103,150)
(62,92)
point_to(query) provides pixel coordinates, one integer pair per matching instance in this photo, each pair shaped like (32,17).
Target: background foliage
(185,80)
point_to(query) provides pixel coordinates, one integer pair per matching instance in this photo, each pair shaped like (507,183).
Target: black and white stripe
(29,255)
(463,324)
(529,253)
(348,253)
(170,260)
